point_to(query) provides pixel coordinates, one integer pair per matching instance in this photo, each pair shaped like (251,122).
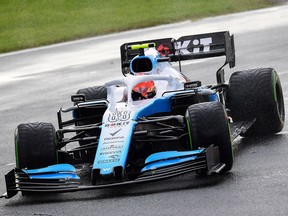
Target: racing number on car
(113,117)
(119,116)
(125,115)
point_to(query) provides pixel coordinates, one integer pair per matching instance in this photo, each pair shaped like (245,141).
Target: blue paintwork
(171,154)
(52,169)
(213,97)
(55,176)
(58,171)
(118,151)
(105,162)
(158,105)
(164,163)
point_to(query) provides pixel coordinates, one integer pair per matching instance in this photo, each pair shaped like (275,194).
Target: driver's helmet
(144,90)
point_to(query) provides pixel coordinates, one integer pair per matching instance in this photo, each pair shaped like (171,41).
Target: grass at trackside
(31,23)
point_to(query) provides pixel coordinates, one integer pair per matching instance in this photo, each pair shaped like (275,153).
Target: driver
(144,90)
(143,65)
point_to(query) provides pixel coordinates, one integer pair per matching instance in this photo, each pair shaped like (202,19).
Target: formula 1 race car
(152,124)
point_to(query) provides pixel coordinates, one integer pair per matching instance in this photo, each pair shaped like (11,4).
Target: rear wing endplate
(187,48)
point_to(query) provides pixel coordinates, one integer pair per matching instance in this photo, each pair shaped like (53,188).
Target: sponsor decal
(109,161)
(164,49)
(198,45)
(114,133)
(192,85)
(203,42)
(114,156)
(113,142)
(114,138)
(117,124)
(106,169)
(78,98)
(112,152)
(112,147)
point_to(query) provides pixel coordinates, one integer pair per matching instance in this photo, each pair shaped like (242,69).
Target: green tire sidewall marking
(231,141)
(275,86)
(189,133)
(16,148)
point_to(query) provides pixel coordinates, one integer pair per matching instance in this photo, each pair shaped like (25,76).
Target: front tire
(35,145)
(208,124)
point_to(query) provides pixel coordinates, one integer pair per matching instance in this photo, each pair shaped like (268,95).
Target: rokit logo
(199,43)
(117,124)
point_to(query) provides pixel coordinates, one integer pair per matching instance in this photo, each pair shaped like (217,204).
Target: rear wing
(187,48)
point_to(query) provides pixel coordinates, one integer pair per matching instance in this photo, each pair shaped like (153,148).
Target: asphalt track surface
(35,83)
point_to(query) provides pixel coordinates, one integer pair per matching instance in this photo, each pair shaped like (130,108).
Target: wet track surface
(35,84)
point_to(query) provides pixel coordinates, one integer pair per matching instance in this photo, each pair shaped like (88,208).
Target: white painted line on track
(106,48)
(236,22)
(11,164)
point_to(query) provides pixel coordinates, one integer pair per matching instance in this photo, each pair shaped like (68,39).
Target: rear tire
(208,124)
(91,93)
(35,145)
(257,94)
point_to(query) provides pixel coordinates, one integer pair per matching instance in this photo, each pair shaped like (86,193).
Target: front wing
(63,178)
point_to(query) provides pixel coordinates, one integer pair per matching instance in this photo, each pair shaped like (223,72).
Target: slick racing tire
(95,92)
(257,94)
(208,124)
(35,145)
(91,93)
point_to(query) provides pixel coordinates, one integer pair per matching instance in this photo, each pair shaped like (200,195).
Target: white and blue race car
(152,124)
